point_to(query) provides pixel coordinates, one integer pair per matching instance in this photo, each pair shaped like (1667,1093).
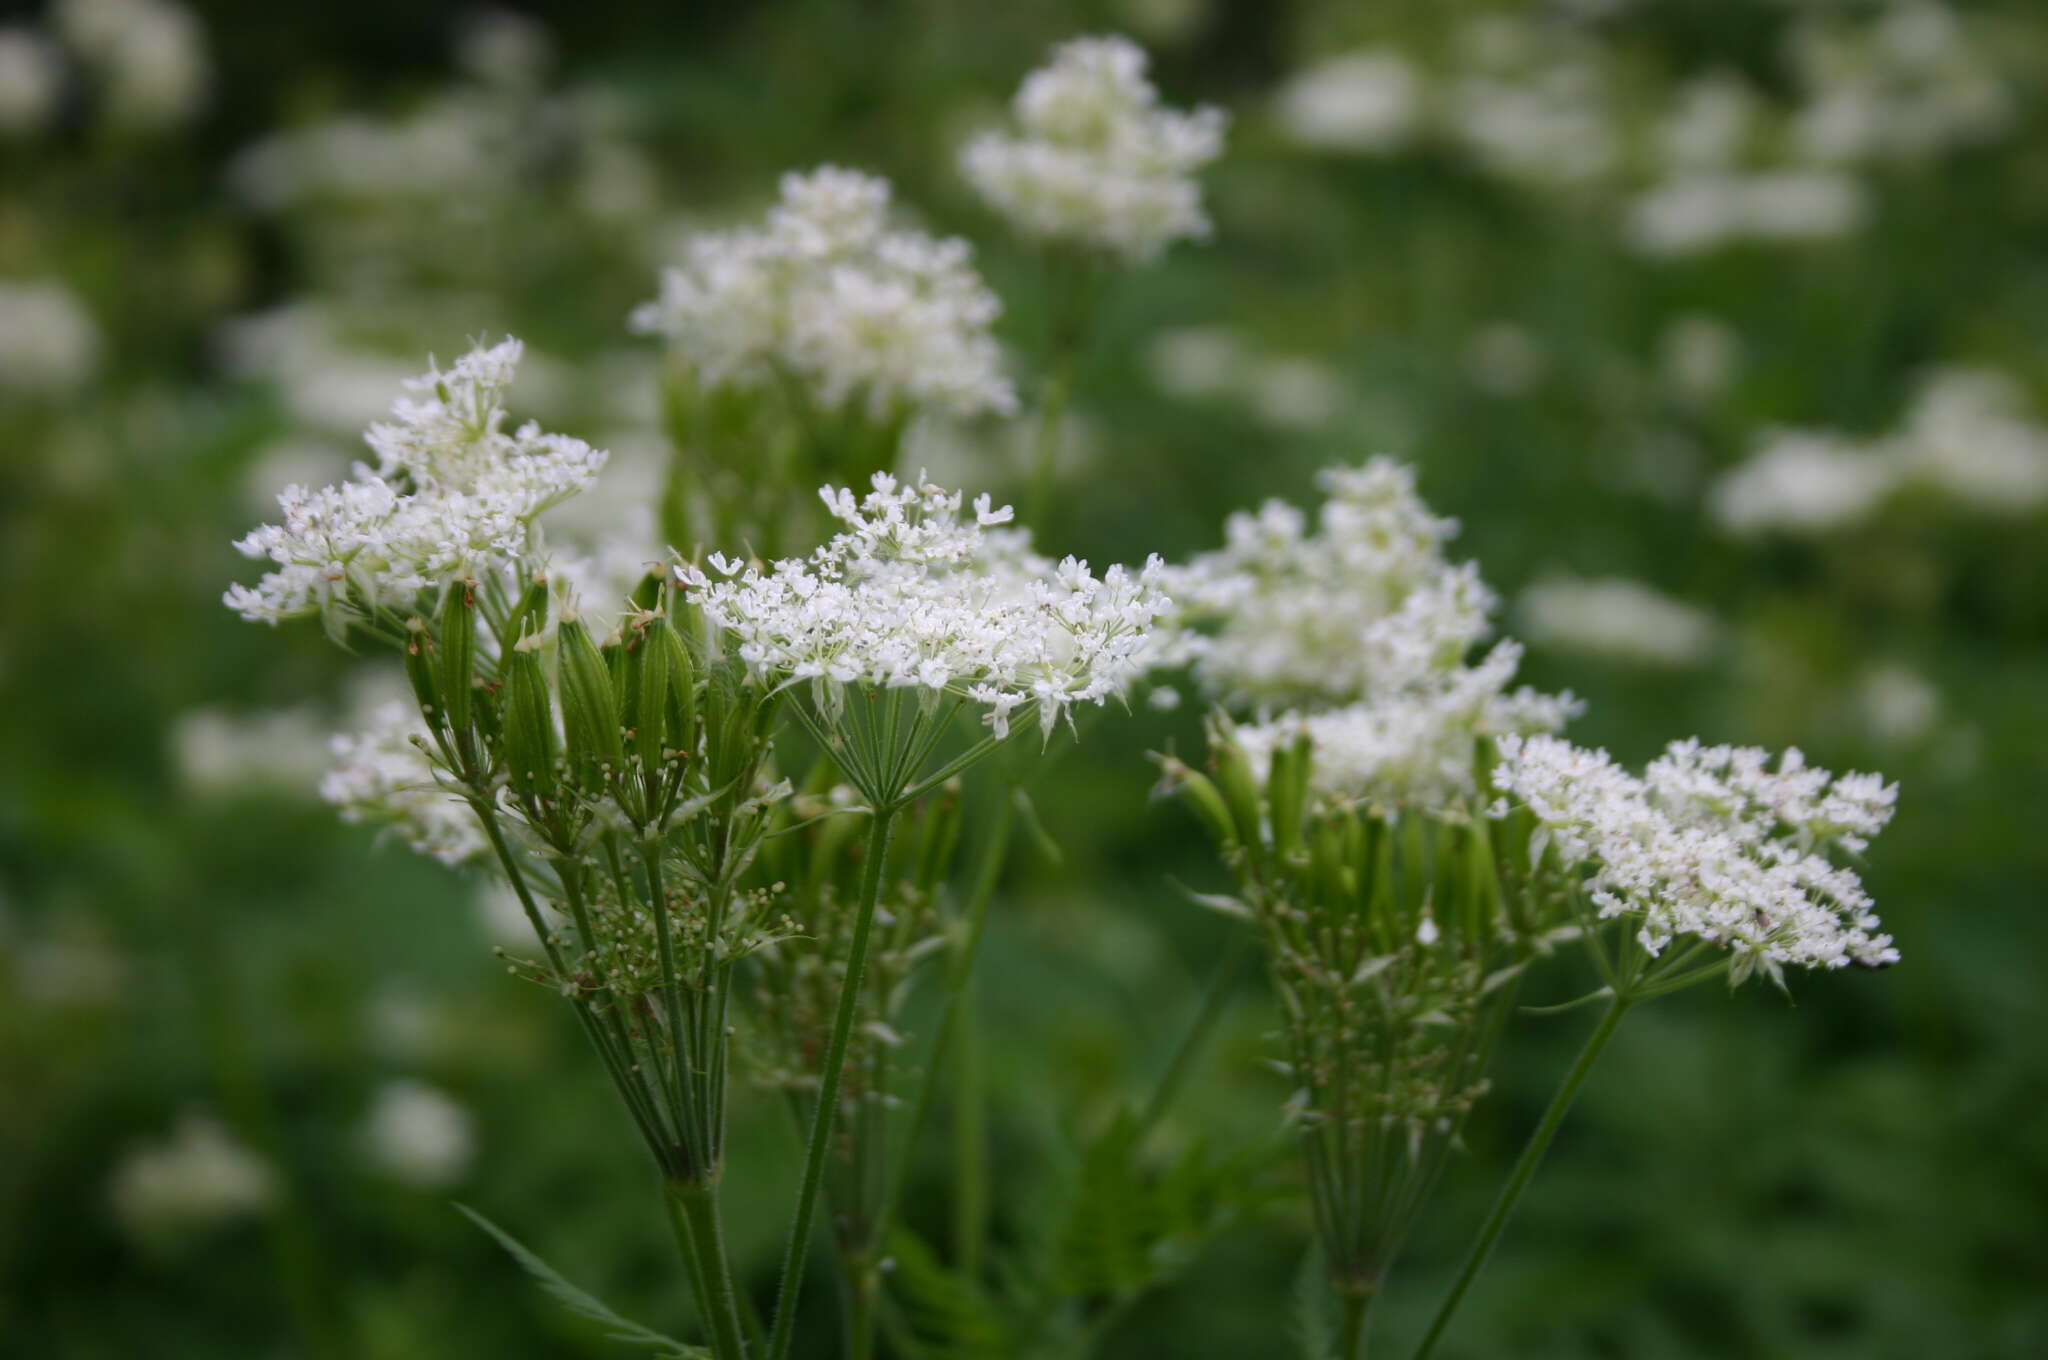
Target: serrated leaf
(582,1303)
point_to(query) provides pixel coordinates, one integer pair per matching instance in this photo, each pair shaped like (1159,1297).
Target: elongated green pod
(421,672)
(590,707)
(529,740)
(1201,794)
(457,660)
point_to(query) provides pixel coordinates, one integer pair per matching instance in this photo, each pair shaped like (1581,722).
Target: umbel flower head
(1095,160)
(1361,629)
(1713,842)
(826,293)
(453,494)
(912,594)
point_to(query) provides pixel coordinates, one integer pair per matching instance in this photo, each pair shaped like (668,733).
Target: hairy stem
(693,1206)
(823,1117)
(1524,1171)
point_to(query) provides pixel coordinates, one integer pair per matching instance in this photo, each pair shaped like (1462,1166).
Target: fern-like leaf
(582,1303)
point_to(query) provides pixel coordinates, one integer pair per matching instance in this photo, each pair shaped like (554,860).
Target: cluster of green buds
(624,786)
(1395,939)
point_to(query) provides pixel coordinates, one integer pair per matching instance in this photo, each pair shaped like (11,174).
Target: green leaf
(583,1304)
(948,1316)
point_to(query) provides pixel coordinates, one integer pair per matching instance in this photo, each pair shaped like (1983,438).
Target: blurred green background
(250,1054)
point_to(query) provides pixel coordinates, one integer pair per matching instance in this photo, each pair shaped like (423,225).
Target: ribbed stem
(693,1206)
(828,1088)
(1524,1171)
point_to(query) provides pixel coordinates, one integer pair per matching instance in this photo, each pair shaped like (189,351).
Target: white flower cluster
(911,594)
(1096,161)
(1362,604)
(452,493)
(148,57)
(198,1174)
(1713,842)
(419,1135)
(31,80)
(1417,747)
(1905,86)
(1370,100)
(48,340)
(827,293)
(1616,617)
(1363,628)
(382,776)
(1968,434)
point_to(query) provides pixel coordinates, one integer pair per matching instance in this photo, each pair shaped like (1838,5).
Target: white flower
(48,341)
(1363,603)
(910,594)
(1803,482)
(280,751)
(419,1135)
(1699,355)
(1715,843)
(1970,434)
(1411,748)
(826,293)
(1692,212)
(149,57)
(1367,101)
(453,493)
(1616,617)
(31,75)
(199,1174)
(1898,705)
(1905,87)
(1096,161)
(382,776)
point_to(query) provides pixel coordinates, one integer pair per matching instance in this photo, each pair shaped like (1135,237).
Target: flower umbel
(1095,160)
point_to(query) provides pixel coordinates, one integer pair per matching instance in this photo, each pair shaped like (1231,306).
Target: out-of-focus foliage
(1578,261)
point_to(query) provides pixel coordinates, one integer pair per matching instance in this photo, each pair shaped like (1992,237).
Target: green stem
(971,1193)
(959,978)
(1206,1016)
(1045,449)
(1357,1305)
(1524,1170)
(693,1206)
(828,1089)
(860,1311)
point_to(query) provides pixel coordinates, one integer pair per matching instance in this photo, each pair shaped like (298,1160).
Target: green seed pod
(419,669)
(1234,781)
(590,706)
(681,717)
(1202,796)
(649,682)
(529,738)
(530,615)
(458,653)
(1287,793)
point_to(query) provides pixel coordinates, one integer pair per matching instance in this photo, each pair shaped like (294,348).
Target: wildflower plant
(1410,841)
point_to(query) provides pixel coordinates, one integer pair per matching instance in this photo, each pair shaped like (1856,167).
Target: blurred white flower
(1695,212)
(1504,359)
(382,776)
(1198,361)
(1293,392)
(147,57)
(218,751)
(1898,705)
(197,1175)
(1365,101)
(499,47)
(419,1135)
(1970,434)
(31,77)
(1909,85)
(828,295)
(1699,355)
(48,341)
(1615,617)
(1803,482)
(1096,160)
